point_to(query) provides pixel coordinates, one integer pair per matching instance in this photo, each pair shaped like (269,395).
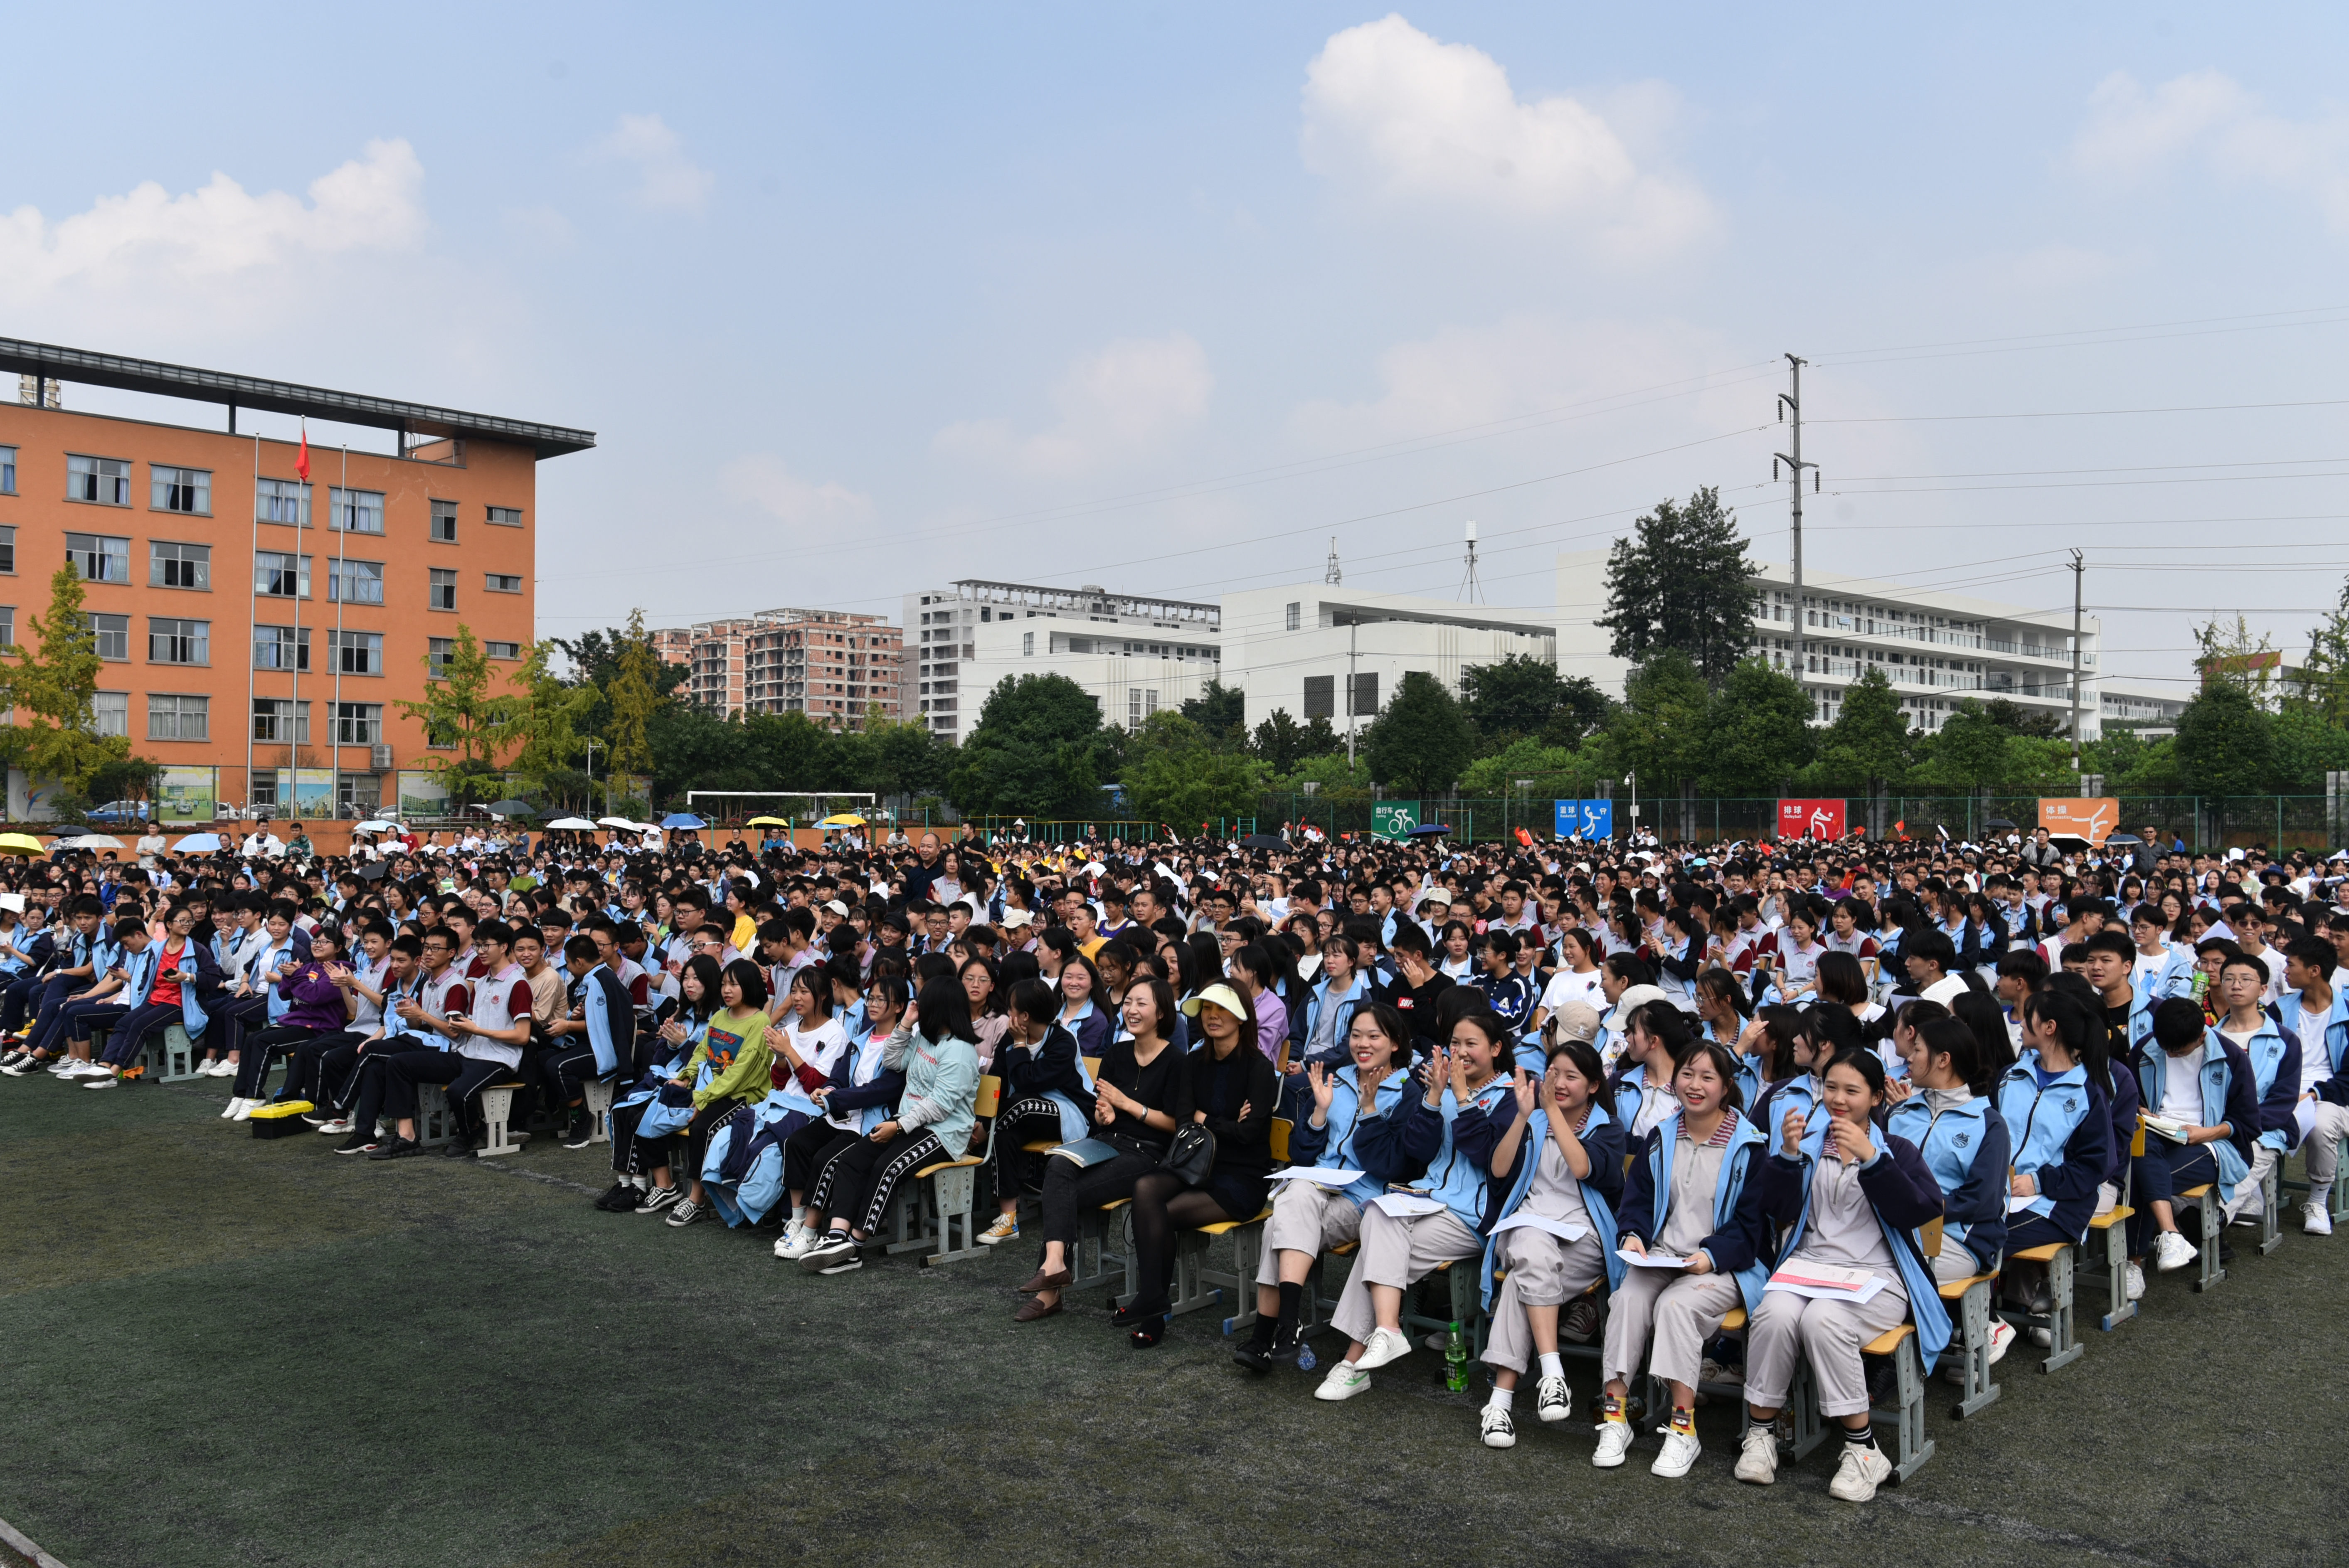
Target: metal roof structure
(234,392)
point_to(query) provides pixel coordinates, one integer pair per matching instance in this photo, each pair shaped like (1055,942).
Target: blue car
(118,813)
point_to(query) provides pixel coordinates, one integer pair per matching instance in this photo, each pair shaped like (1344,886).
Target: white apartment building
(1935,648)
(2149,707)
(1135,655)
(1294,649)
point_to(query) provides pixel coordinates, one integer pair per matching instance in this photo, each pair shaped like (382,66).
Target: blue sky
(1164,298)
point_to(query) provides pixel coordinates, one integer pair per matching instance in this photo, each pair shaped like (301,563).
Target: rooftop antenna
(1332,576)
(1471,590)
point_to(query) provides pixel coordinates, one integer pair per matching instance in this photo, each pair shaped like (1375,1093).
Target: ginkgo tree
(48,680)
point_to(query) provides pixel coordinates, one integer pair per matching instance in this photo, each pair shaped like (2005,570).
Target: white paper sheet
(1826,1282)
(2017,1205)
(1319,1175)
(1407,1205)
(1527,1220)
(1650,1260)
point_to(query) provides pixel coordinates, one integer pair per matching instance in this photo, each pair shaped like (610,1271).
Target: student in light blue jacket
(2197,1078)
(2060,1130)
(1947,1113)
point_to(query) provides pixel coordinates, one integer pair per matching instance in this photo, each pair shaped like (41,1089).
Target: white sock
(799,1217)
(2319,1192)
(1502,1397)
(641,1183)
(1551,1365)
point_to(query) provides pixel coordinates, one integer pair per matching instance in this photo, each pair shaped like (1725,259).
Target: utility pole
(1353,628)
(2079,565)
(1330,574)
(1471,590)
(1793,401)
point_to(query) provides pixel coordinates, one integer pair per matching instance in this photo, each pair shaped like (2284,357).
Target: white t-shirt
(822,1048)
(2181,1086)
(1945,990)
(1566,985)
(2316,1061)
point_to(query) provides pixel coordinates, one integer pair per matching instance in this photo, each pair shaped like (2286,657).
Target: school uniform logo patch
(1964,1139)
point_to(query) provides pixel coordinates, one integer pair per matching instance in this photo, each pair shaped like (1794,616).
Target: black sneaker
(358,1143)
(582,1133)
(457,1149)
(620,1199)
(396,1148)
(1287,1340)
(1254,1356)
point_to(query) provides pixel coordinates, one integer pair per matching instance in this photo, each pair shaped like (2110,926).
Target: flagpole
(342,555)
(253,620)
(301,515)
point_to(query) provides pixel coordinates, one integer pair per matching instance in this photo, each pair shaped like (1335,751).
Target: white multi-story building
(1294,648)
(2149,707)
(1135,655)
(1935,648)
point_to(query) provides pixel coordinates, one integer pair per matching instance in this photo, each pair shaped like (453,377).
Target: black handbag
(1192,1156)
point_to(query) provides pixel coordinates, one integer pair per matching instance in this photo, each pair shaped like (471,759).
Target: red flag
(1900,827)
(302,458)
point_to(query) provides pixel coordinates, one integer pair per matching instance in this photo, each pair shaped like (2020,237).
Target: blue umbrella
(683,819)
(197,844)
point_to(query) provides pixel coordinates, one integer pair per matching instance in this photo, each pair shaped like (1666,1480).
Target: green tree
(1038,750)
(1280,741)
(1174,773)
(542,722)
(889,756)
(1334,777)
(2322,688)
(2226,741)
(2015,720)
(1526,696)
(633,693)
(1421,739)
(1970,752)
(2307,748)
(1869,743)
(50,679)
(459,711)
(1683,581)
(1221,713)
(1553,770)
(2232,656)
(1658,733)
(1757,731)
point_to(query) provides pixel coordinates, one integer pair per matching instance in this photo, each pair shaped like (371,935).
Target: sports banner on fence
(2092,818)
(1810,818)
(1585,818)
(1393,819)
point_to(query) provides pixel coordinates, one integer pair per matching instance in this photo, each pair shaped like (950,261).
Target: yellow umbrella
(766,823)
(21,844)
(843,819)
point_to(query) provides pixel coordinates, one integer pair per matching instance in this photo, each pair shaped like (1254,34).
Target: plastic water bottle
(1305,1358)
(1455,1362)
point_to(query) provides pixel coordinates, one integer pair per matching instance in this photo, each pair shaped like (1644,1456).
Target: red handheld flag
(302,458)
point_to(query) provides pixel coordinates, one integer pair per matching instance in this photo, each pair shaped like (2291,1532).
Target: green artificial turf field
(223,1351)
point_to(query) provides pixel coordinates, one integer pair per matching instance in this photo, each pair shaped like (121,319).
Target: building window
(98,557)
(179,565)
(499,650)
(112,634)
(355,511)
(104,481)
(1027,645)
(437,651)
(8,470)
(272,717)
(1366,696)
(262,788)
(180,489)
(357,653)
(177,642)
(444,522)
(502,582)
(111,710)
(281,648)
(507,516)
(283,500)
(281,576)
(1134,707)
(358,723)
(355,581)
(179,717)
(1321,697)
(8,550)
(8,625)
(1295,614)
(444,590)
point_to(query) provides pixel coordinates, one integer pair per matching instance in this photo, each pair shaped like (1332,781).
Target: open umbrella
(1430,831)
(842,820)
(1999,822)
(1264,842)
(568,824)
(197,844)
(375,825)
(617,822)
(683,819)
(374,871)
(89,842)
(766,822)
(20,844)
(512,808)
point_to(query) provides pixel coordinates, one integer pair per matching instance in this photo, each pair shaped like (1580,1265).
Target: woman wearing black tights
(1231,1089)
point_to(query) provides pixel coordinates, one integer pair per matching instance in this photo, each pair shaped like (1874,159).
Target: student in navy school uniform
(2196,1077)
(1945,1110)
(2057,1118)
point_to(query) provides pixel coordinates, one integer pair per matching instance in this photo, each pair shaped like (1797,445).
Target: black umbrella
(1264,842)
(1998,822)
(1429,830)
(374,871)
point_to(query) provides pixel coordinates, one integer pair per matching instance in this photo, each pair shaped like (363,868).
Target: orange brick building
(260,632)
(827,665)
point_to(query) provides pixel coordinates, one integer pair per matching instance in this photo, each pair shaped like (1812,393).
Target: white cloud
(766,484)
(1129,400)
(1413,124)
(147,240)
(667,180)
(2133,134)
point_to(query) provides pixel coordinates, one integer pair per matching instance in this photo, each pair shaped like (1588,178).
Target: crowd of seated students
(1625,1089)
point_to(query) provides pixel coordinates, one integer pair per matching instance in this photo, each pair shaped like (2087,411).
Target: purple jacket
(313,1000)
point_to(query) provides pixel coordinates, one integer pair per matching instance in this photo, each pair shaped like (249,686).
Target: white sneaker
(1679,1456)
(2133,1285)
(1345,1380)
(338,1127)
(1499,1430)
(797,1242)
(2174,1252)
(2043,1339)
(74,1069)
(1614,1439)
(107,1081)
(1863,1470)
(244,1109)
(2314,1221)
(2002,1338)
(216,1067)
(229,1112)
(1385,1344)
(1553,1400)
(1757,1456)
